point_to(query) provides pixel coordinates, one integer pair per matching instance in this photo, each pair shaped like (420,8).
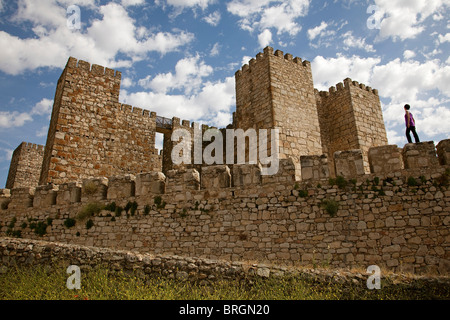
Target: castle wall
(381,219)
(25,166)
(91,133)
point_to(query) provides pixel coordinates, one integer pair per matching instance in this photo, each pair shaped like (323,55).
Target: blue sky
(178,58)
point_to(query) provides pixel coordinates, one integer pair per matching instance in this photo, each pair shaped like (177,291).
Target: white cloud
(127,3)
(210,105)
(329,72)
(54,42)
(126,82)
(266,14)
(265,38)
(351,41)
(443,38)
(314,32)
(43,107)
(213,18)
(13,119)
(42,132)
(409,54)
(405,19)
(188,77)
(215,50)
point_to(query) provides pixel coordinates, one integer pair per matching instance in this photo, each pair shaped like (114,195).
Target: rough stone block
(246,174)
(349,164)
(94,189)
(285,174)
(5,198)
(69,193)
(45,196)
(314,167)
(385,159)
(215,177)
(182,179)
(121,187)
(420,155)
(443,152)
(21,198)
(150,183)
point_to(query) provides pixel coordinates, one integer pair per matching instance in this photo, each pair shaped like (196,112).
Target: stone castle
(333,149)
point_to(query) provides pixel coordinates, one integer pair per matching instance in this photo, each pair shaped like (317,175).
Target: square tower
(25,167)
(350,117)
(277,91)
(91,134)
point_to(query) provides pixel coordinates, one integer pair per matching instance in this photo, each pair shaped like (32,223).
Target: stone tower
(350,117)
(25,166)
(277,91)
(91,134)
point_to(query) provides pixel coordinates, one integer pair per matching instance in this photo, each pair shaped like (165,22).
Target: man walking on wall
(410,125)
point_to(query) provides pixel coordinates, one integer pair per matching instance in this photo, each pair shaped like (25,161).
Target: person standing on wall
(410,125)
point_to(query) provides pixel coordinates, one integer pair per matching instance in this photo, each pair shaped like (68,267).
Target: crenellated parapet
(267,53)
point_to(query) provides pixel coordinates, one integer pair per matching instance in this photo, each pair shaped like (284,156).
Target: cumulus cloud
(405,19)
(213,18)
(266,14)
(43,107)
(13,119)
(188,76)
(351,41)
(424,85)
(265,38)
(314,32)
(54,42)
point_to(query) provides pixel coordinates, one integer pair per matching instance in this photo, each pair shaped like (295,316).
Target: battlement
(269,53)
(344,86)
(32,146)
(94,69)
(384,161)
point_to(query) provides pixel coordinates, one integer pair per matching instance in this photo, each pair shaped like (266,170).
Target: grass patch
(331,206)
(43,283)
(89,210)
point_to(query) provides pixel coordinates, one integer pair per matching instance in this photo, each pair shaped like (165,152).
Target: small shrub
(381,192)
(111,207)
(133,208)
(332,181)
(412,182)
(41,228)
(90,188)
(331,206)
(78,234)
(69,223)
(12,223)
(443,180)
(159,203)
(184,213)
(5,204)
(146,209)
(23,225)
(423,180)
(303,193)
(118,211)
(89,210)
(376,181)
(341,182)
(49,221)
(89,224)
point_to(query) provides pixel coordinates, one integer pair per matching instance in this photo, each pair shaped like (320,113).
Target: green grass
(39,283)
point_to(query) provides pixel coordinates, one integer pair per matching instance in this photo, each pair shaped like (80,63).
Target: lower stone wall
(399,221)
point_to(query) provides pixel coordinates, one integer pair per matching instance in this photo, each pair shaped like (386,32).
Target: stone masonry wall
(25,166)
(91,133)
(397,220)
